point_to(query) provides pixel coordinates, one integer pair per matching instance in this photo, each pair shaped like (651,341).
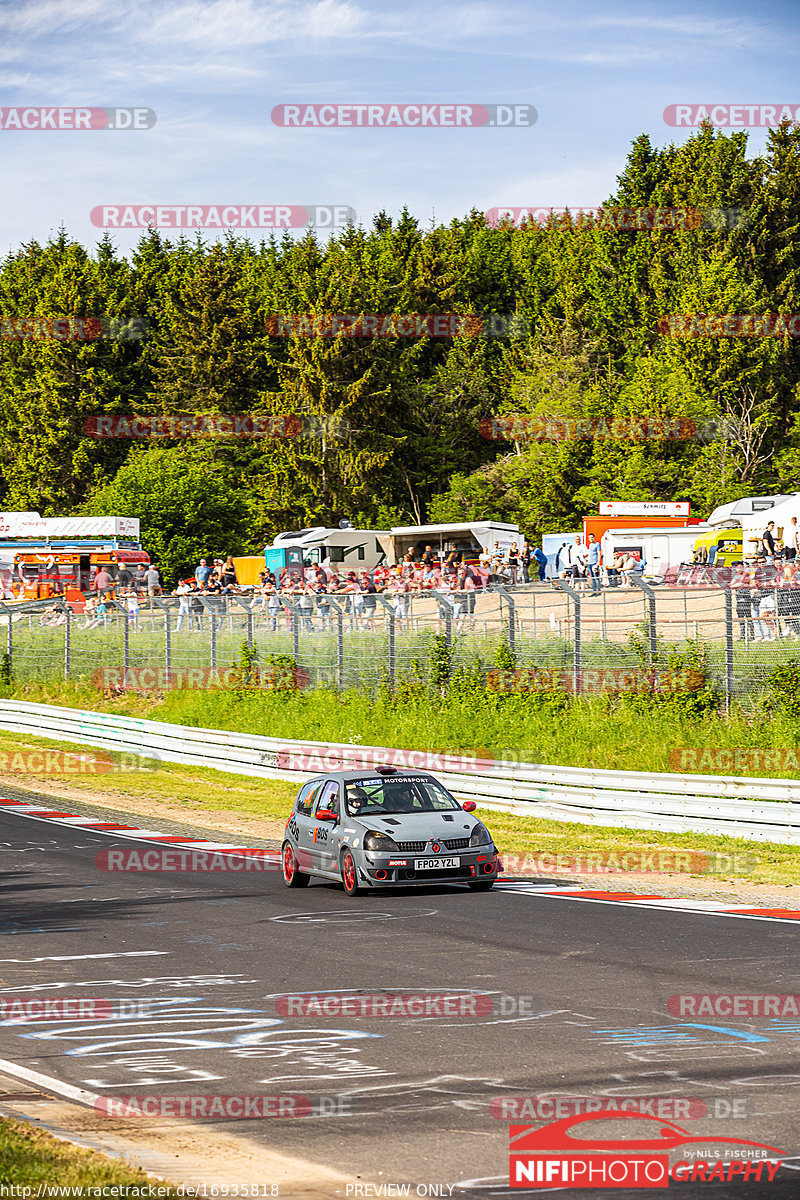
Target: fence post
(9,638)
(339,642)
(576,602)
(446,613)
(728,648)
(65,608)
(249,612)
(387,604)
(651,614)
(212,614)
(512,615)
(295,626)
(167,641)
(125,652)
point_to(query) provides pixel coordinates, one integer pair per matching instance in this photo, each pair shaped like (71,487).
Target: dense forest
(392,427)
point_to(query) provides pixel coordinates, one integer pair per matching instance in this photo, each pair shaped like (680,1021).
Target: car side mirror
(325,814)
(469,806)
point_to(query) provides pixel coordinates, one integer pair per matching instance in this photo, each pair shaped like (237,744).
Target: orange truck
(69,574)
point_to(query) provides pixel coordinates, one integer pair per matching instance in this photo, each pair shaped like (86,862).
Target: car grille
(420,847)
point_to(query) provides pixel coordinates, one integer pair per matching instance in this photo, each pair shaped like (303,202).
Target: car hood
(420,827)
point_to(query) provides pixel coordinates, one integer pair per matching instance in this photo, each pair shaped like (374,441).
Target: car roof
(382,772)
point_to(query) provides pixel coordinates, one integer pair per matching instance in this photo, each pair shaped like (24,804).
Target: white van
(753,513)
(659,548)
(343,549)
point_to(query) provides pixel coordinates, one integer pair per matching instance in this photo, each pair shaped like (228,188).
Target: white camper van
(659,548)
(345,549)
(753,513)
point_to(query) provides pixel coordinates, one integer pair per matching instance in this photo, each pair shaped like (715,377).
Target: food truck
(41,557)
(468,538)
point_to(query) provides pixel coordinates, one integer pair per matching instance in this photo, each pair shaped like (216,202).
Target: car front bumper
(402,870)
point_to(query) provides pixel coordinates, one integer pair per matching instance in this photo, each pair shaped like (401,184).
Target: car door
(301,823)
(325,835)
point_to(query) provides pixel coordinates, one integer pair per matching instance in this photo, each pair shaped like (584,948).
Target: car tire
(349,874)
(481,885)
(292,877)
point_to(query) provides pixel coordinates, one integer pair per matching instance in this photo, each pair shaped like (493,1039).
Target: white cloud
(223,24)
(56,16)
(725,32)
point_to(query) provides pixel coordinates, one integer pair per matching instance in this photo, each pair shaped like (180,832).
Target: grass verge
(30,1157)
(589,732)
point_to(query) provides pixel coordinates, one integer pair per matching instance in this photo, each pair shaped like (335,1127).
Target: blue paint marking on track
(742,1034)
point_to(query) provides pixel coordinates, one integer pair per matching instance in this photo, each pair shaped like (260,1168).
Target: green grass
(587,734)
(189,790)
(30,1157)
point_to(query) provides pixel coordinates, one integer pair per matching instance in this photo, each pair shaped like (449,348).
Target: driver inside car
(403,800)
(358,800)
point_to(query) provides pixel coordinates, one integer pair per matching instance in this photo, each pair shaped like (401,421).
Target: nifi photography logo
(563,1154)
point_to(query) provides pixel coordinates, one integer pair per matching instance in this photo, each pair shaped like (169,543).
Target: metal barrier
(593,641)
(753,809)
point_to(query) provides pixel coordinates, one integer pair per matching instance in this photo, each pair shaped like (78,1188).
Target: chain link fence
(590,640)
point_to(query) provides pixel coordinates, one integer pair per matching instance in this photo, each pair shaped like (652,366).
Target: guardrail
(755,809)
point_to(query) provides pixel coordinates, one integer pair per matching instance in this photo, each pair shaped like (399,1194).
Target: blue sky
(598,75)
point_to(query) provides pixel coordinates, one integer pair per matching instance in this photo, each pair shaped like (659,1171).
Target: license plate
(433,864)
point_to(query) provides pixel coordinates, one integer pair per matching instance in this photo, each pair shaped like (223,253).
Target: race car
(385,828)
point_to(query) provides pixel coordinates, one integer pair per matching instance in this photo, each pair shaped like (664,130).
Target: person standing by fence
(593,568)
(744,604)
(182,592)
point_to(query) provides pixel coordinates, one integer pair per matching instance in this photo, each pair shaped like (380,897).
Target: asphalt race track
(579,1007)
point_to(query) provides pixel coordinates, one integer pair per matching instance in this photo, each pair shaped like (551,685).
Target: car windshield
(394,796)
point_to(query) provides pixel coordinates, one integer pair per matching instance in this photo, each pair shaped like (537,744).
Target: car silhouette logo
(557,1136)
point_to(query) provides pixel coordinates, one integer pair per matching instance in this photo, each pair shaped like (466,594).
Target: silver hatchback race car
(385,828)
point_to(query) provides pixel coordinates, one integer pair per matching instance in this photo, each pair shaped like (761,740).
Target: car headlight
(480,836)
(381,842)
